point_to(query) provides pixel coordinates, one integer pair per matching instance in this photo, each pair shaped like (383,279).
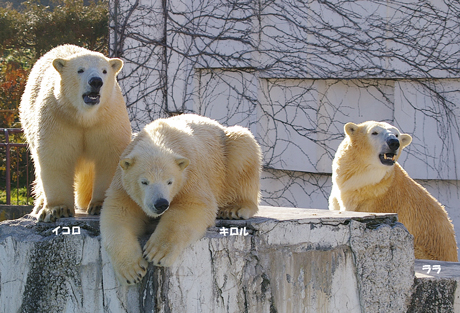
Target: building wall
(295,72)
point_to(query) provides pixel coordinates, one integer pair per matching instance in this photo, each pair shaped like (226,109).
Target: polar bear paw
(94,208)
(160,252)
(50,214)
(132,271)
(237,211)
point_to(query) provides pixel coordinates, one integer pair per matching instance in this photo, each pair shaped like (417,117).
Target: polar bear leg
(104,170)
(333,198)
(182,224)
(243,174)
(334,204)
(238,210)
(102,145)
(84,179)
(122,222)
(57,167)
(58,200)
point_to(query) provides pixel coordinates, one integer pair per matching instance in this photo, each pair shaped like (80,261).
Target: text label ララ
(428,268)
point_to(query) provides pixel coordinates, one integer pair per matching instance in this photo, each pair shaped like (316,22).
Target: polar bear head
(87,79)
(380,142)
(152,178)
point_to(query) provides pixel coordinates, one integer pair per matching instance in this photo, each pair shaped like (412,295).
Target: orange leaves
(12,83)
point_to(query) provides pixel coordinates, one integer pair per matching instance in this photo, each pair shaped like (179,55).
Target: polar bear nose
(161,205)
(95,82)
(393,143)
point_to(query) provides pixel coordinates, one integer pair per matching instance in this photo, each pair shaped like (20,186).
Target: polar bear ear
(116,64)
(126,163)
(182,162)
(405,140)
(59,64)
(350,129)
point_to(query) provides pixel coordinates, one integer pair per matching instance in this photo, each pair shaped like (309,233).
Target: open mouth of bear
(91,98)
(387,158)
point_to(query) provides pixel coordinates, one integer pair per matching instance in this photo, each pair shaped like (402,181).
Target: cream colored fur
(200,167)
(75,146)
(362,183)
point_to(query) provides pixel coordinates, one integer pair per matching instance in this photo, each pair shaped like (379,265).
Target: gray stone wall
(291,260)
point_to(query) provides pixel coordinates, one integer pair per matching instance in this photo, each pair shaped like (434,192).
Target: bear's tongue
(91,98)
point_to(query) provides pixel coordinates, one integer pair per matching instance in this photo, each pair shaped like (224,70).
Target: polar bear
(186,169)
(367,178)
(76,124)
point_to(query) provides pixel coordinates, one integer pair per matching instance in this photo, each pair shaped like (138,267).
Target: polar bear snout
(156,206)
(393,143)
(390,152)
(161,205)
(95,83)
(93,97)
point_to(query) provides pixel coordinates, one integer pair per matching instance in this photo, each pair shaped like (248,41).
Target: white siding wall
(295,72)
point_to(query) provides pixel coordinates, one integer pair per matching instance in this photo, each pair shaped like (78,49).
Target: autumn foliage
(12,82)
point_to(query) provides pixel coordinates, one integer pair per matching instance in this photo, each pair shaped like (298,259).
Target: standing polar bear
(75,121)
(367,178)
(188,169)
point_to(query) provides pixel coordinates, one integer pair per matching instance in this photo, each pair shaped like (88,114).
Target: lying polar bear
(188,169)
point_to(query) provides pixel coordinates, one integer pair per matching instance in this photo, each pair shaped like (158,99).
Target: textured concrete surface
(436,287)
(290,260)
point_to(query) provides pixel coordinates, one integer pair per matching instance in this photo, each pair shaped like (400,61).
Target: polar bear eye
(396,135)
(145,182)
(170,182)
(80,71)
(375,133)
(104,71)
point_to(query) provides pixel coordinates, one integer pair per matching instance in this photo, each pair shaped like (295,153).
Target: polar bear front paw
(132,271)
(161,253)
(50,214)
(94,208)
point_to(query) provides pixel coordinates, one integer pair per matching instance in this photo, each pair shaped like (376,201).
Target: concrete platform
(282,260)
(436,287)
